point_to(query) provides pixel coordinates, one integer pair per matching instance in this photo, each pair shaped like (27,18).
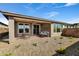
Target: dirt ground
(36,46)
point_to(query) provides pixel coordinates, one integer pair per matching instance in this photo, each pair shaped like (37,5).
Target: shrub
(61,37)
(55,38)
(17,46)
(70,32)
(70,41)
(34,44)
(46,41)
(60,43)
(61,51)
(70,37)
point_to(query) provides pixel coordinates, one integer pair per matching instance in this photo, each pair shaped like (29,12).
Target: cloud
(66,5)
(52,14)
(30,7)
(73,20)
(70,4)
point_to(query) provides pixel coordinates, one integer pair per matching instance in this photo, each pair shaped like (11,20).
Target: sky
(64,12)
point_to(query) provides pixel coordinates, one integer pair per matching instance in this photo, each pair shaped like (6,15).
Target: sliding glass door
(36,29)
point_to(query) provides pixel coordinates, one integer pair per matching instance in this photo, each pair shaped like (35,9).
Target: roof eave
(8,14)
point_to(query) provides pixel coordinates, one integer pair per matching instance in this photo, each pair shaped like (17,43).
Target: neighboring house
(76,25)
(28,25)
(3,27)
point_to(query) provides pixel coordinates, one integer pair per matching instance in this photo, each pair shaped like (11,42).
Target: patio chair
(44,34)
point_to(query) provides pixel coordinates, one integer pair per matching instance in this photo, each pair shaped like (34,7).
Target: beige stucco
(3,28)
(11,28)
(52,29)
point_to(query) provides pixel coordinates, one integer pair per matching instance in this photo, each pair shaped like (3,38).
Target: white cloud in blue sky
(70,4)
(52,14)
(66,5)
(73,20)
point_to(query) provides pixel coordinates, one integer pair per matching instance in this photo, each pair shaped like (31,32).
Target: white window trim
(23,29)
(56,28)
(18,28)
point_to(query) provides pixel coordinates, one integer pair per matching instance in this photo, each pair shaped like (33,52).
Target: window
(27,27)
(23,28)
(58,27)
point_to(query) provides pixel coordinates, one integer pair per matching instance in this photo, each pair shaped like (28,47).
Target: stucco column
(11,29)
(52,29)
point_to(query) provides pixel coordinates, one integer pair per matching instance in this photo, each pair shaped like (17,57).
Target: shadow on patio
(4,37)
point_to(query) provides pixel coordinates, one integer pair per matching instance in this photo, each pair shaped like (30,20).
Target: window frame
(24,32)
(33,28)
(24,28)
(18,28)
(56,27)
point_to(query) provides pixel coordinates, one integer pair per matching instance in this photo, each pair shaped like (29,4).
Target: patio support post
(11,29)
(52,29)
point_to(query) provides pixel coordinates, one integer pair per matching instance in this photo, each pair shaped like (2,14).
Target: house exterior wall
(54,31)
(13,27)
(3,28)
(77,25)
(43,27)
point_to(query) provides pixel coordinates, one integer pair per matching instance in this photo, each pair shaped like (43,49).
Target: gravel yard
(36,46)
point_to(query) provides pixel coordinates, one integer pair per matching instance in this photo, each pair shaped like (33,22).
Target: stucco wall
(54,33)
(43,27)
(3,28)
